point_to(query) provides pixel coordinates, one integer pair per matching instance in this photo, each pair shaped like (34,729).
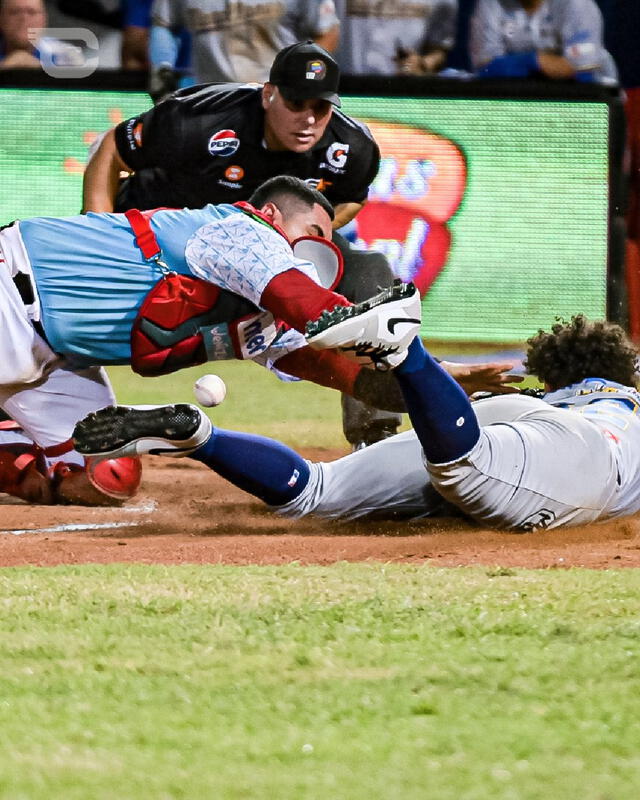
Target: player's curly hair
(579,349)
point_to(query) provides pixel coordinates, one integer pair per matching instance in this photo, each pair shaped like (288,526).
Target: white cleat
(115,431)
(378,330)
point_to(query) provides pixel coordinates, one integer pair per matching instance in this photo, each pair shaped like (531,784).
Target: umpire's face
(293,125)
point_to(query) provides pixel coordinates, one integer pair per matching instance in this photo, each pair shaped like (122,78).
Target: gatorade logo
(337,155)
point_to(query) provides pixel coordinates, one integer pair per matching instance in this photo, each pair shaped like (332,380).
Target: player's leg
(258,465)
(440,410)
(522,475)
(386,479)
(263,467)
(46,412)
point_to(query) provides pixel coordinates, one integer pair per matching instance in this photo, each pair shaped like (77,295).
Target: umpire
(215,143)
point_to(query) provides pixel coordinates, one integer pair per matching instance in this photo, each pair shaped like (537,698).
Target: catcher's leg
(365,273)
(26,472)
(49,470)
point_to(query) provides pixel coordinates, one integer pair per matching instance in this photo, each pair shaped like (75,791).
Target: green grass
(349,682)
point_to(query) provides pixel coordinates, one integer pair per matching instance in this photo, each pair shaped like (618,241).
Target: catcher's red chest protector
(184,321)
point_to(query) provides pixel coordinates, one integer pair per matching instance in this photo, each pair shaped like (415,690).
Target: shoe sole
(116,431)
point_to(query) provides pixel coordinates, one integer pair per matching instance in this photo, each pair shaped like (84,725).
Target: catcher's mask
(324,255)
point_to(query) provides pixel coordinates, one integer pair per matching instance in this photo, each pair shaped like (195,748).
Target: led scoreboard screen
(497,208)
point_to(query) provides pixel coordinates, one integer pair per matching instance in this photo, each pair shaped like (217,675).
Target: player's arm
(152,139)
(102,176)
(555,67)
(332,369)
(345,212)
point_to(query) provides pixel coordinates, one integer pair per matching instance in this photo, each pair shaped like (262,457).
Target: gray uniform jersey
(237,42)
(571,28)
(570,459)
(372,34)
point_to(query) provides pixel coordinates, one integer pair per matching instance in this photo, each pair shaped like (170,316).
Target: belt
(24,286)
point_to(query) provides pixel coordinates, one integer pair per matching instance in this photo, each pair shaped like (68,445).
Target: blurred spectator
(237,42)
(458,58)
(145,47)
(136,21)
(557,39)
(164,52)
(21,46)
(102,17)
(407,37)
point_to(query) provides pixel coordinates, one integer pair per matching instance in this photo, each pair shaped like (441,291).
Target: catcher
(161,291)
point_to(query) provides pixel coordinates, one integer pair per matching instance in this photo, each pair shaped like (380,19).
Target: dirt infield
(186,514)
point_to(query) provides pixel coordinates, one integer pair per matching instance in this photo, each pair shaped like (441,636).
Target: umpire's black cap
(303,71)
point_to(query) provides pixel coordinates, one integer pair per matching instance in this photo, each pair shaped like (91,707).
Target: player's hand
(494,377)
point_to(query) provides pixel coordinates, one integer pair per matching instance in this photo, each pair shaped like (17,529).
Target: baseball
(210,390)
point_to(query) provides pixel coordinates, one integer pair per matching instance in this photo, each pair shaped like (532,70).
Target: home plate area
(185,513)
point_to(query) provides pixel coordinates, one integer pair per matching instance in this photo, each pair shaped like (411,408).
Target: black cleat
(116,431)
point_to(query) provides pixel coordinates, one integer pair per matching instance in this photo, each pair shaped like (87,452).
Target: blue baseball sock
(440,411)
(263,467)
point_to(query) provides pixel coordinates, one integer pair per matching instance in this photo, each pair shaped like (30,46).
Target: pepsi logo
(223,143)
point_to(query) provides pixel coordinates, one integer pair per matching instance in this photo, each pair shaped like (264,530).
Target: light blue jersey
(615,409)
(92,277)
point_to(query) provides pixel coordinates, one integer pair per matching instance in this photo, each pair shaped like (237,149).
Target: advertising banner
(498,209)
